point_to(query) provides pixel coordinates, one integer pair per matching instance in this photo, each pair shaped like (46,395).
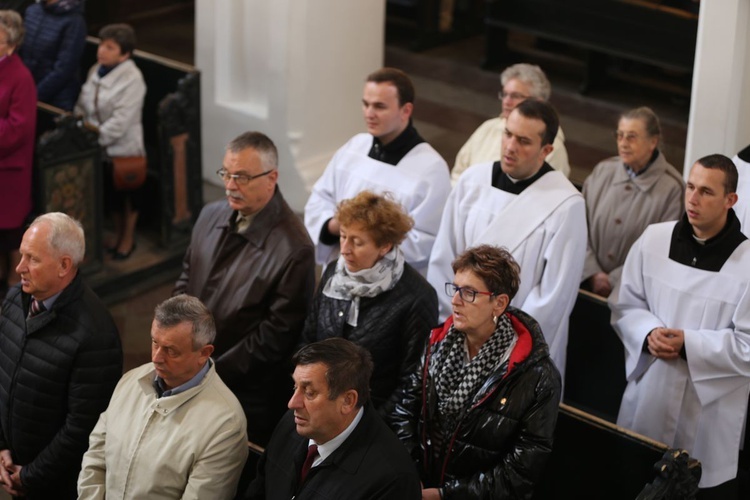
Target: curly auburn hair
(382,217)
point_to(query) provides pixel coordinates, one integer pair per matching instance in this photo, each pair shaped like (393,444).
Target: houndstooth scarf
(381,277)
(457,381)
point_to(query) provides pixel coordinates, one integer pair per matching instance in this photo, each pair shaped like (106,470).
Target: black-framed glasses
(239,179)
(466,294)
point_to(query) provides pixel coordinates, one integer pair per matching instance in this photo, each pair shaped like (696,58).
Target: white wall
(720,105)
(293,69)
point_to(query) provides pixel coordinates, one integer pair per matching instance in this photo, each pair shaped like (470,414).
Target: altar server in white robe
(742,208)
(683,313)
(522,204)
(391,157)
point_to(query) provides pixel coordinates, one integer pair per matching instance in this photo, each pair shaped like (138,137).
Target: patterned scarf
(456,381)
(381,277)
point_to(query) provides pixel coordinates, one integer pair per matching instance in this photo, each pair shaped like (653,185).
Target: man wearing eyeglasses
(519,82)
(250,261)
(391,157)
(524,205)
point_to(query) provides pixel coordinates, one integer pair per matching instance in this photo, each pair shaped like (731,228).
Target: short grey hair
(261,143)
(12,24)
(530,74)
(647,116)
(186,308)
(66,235)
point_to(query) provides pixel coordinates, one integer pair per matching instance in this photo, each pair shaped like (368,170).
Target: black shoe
(122,256)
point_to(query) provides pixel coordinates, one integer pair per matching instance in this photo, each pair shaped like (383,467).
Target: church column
(292,69)
(720,104)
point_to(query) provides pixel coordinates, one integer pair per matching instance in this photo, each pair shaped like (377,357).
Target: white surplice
(420,182)
(742,207)
(544,228)
(698,404)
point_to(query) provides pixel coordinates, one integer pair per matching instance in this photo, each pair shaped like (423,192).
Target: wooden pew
(172,134)
(593,459)
(173,195)
(68,177)
(419,21)
(595,365)
(636,30)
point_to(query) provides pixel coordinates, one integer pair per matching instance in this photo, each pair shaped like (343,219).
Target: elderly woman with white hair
(520,82)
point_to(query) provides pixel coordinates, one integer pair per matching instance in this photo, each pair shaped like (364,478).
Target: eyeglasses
(239,179)
(619,136)
(466,294)
(514,96)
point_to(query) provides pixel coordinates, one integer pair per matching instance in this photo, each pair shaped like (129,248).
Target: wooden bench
(419,21)
(636,30)
(173,195)
(172,134)
(595,365)
(594,459)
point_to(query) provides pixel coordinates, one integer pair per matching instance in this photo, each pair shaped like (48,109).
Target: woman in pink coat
(17,134)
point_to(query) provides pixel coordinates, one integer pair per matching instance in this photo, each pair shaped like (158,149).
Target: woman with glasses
(519,82)
(17,134)
(371,296)
(112,101)
(479,412)
(624,194)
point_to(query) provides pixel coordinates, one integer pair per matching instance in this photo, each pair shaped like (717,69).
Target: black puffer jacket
(57,373)
(503,440)
(393,326)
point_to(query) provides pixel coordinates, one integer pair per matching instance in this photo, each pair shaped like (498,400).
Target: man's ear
(207,350)
(349,401)
(407,109)
(731,200)
(66,266)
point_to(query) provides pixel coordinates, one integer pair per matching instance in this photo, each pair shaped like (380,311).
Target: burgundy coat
(17,135)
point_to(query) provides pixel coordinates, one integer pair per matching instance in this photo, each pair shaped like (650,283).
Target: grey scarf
(381,277)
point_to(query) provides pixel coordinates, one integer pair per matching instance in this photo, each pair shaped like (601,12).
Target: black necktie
(312,453)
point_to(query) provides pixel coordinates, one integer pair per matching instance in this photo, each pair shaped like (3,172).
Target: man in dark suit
(332,444)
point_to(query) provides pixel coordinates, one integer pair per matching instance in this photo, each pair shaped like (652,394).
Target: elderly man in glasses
(250,261)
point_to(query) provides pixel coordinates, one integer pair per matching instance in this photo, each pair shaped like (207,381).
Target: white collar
(324,450)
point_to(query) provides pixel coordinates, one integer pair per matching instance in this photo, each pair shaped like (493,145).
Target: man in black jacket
(332,443)
(60,359)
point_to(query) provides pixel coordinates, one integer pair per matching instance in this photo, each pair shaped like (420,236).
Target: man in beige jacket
(172,429)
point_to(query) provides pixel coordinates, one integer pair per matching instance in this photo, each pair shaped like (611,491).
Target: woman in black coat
(371,296)
(479,412)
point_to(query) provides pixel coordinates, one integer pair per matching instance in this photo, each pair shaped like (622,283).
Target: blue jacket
(52,48)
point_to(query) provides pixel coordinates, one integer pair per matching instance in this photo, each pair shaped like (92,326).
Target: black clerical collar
(394,151)
(500,179)
(745,154)
(711,255)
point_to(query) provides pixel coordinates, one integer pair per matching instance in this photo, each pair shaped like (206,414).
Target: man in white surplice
(391,157)
(683,313)
(522,204)
(742,208)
